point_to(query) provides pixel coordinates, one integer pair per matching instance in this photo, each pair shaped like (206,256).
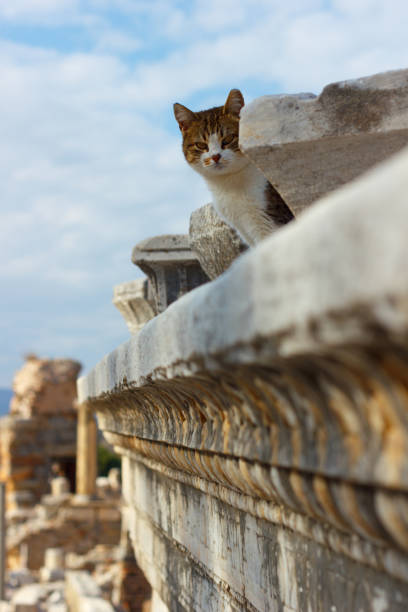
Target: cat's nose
(216,157)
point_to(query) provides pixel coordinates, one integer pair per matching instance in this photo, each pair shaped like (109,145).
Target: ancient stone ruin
(38,437)
(262,417)
(65,547)
(259,407)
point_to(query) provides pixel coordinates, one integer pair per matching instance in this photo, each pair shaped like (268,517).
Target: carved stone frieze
(343,414)
(279,390)
(172,268)
(325,436)
(132,301)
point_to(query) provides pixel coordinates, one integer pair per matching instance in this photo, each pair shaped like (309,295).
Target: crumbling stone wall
(38,437)
(73,525)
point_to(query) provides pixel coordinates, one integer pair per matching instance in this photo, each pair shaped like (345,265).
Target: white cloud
(301,46)
(83,168)
(114,41)
(39,11)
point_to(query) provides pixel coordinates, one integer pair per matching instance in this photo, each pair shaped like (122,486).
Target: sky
(90,152)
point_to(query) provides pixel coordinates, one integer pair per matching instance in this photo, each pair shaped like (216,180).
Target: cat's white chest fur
(239,198)
(239,189)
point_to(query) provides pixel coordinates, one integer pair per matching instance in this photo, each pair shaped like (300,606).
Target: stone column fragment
(131,299)
(308,146)
(60,486)
(171,266)
(86,452)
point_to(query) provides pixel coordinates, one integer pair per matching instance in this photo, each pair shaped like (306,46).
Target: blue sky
(90,152)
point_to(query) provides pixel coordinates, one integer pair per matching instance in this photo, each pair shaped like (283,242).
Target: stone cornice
(286,379)
(320,437)
(337,276)
(342,415)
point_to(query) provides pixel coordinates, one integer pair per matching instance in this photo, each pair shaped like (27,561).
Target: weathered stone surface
(308,146)
(87,448)
(114,479)
(51,575)
(20,577)
(60,486)
(33,451)
(54,558)
(158,604)
(335,277)
(171,266)
(200,553)
(75,527)
(213,241)
(131,299)
(84,595)
(28,598)
(59,607)
(131,588)
(262,418)
(44,386)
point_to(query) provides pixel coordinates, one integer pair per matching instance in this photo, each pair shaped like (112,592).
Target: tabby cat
(243,197)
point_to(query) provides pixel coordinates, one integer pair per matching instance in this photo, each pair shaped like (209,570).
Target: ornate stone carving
(324,436)
(131,299)
(171,267)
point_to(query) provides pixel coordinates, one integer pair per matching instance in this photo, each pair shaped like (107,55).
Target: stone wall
(44,387)
(51,529)
(262,418)
(68,523)
(38,437)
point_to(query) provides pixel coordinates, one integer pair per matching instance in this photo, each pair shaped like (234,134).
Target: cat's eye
(201,146)
(227,140)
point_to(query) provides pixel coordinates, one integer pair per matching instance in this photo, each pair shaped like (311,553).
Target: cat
(243,197)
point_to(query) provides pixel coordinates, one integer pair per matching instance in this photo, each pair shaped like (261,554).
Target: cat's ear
(183,115)
(234,103)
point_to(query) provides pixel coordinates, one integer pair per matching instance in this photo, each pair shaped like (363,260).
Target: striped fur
(241,194)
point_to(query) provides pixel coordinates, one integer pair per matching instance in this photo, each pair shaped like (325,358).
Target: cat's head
(210,137)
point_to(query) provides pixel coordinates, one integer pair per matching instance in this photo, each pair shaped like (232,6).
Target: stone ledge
(335,277)
(308,146)
(335,414)
(286,378)
(281,386)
